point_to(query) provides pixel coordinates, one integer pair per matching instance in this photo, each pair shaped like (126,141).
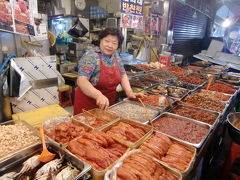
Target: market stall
(179,135)
(176,130)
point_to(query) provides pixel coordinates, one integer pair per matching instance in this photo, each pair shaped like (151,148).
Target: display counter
(176,120)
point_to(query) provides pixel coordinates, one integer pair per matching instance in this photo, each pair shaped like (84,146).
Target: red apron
(108,80)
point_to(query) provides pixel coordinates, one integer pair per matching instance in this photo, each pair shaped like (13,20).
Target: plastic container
(197,144)
(50,125)
(97,114)
(135,111)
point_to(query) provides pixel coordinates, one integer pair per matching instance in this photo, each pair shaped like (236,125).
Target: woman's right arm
(89,90)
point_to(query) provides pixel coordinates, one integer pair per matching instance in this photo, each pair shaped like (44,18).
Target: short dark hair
(112,31)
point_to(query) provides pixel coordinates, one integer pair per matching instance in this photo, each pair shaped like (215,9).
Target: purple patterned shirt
(89,64)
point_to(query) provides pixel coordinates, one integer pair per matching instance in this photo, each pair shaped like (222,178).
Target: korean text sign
(132,7)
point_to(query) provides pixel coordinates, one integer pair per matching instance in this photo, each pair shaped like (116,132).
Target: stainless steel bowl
(234,132)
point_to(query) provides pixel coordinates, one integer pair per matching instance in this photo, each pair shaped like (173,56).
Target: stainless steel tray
(151,69)
(158,110)
(14,162)
(174,83)
(190,148)
(140,78)
(167,77)
(169,94)
(161,109)
(161,79)
(232,77)
(199,85)
(223,110)
(211,71)
(219,81)
(33,130)
(234,83)
(197,145)
(197,108)
(229,95)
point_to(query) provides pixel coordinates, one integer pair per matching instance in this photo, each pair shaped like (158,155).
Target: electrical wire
(5,62)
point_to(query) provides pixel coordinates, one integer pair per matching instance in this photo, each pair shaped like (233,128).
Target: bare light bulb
(226,23)
(194,15)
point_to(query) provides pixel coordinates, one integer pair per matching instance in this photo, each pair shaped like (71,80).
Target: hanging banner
(126,20)
(132,14)
(155,25)
(137,22)
(23,17)
(132,7)
(6,15)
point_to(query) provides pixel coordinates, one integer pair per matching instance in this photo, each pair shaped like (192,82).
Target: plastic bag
(78,29)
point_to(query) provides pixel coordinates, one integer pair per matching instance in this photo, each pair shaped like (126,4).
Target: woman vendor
(100,72)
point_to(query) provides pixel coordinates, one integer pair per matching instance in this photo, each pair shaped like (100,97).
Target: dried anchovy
(134,112)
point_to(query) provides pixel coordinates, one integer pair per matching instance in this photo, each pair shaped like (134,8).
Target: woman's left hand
(133,95)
